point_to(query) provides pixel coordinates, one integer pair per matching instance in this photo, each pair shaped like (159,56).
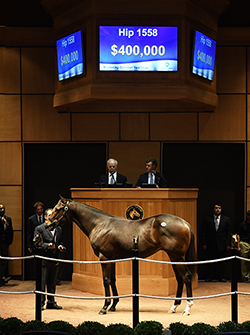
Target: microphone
(112,171)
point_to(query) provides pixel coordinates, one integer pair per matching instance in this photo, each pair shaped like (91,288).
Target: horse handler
(52,246)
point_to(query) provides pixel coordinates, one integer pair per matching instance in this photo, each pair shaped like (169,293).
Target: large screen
(69,56)
(204,56)
(136,48)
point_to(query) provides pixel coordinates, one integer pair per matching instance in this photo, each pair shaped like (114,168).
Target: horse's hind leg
(178,293)
(114,289)
(188,283)
(106,271)
(183,275)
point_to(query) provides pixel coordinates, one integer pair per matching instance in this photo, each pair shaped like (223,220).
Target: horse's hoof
(170,311)
(186,313)
(102,312)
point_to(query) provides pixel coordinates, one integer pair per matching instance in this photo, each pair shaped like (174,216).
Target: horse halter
(64,214)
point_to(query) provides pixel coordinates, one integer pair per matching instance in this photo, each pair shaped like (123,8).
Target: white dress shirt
(115,177)
(149,178)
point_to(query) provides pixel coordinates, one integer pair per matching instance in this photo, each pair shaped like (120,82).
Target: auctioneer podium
(156,278)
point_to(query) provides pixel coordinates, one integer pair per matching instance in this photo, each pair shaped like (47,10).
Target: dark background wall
(52,169)
(30,13)
(217,169)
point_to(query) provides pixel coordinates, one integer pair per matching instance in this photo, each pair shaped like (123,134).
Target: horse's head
(59,215)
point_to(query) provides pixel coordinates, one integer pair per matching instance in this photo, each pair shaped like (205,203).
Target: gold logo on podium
(134,212)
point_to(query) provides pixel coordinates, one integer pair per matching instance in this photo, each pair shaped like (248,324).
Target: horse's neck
(85,217)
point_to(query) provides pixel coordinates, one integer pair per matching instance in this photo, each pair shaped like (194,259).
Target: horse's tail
(191,254)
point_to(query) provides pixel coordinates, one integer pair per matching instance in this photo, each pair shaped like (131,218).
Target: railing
(235,262)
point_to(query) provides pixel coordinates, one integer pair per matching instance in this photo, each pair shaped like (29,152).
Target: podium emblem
(134,212)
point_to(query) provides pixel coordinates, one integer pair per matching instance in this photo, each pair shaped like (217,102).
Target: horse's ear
(62,198)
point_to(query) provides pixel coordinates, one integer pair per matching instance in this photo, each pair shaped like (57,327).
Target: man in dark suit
(33,221)
(52,246)
(151,176)
(216,240)
(6,239)
(112,177)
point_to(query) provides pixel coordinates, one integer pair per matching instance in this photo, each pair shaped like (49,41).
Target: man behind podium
(151,176)
(112,177)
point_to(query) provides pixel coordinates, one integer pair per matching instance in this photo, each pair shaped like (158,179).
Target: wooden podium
(155,278)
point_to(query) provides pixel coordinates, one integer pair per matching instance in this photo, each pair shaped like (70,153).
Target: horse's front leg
(106,270)
(114,289)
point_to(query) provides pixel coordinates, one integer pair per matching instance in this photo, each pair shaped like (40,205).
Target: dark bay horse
(111,237)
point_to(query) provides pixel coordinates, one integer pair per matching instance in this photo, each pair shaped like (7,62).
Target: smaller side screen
(69,56)
(204,56)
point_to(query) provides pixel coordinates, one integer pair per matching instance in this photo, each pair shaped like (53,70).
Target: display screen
(129,48)
(204,56)
(69,56)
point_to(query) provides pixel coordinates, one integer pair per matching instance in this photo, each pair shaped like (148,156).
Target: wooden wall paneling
(11,197)
(227,122)
(15,250)
(10,126)
(173,126)
(248,197)
(248,117)
(248,69)
(95,127)
(132,157)
(10,70)
(38,70)
(41,122)
(134,126)
(11,163)
(231,78)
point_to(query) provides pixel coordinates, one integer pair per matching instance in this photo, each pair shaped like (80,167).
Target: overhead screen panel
(204,56)
(70,56)
(138,48)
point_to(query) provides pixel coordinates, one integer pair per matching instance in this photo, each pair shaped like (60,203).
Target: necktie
(216,223)
(40,220)
(112,179)
(151,179)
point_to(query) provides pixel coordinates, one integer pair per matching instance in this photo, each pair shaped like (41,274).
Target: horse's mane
(93,209)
